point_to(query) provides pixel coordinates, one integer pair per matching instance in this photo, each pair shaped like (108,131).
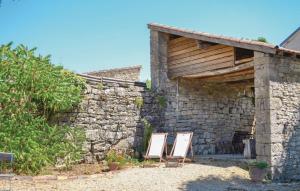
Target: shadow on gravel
(222,163)
(235,183)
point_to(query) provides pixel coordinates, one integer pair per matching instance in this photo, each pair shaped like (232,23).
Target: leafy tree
(31,91)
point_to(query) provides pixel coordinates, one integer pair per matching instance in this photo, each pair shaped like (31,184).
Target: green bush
(262,39)
(32,90)
(148,129)
(259,164)
(100,86)
(139,102)
(148,84)
(113,156)
(120,158)
(162,101)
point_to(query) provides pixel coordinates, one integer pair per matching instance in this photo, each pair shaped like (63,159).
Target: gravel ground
(207,177)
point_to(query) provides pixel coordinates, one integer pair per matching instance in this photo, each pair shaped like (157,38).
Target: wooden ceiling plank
(202,61)
(209,66)
(192,53)
(181,47)
(195,67)
(199,56)
(223,71)
(230,79)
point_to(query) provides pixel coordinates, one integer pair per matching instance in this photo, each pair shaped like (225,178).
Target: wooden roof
(229,41)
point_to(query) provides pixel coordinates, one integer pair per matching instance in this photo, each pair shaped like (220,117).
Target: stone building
(131,73)
(225,89)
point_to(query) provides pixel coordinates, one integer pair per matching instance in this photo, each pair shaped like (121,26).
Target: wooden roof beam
(223,79)
(222,71)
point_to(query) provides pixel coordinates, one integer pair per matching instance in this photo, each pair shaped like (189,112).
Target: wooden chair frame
(190,146)
(162,150)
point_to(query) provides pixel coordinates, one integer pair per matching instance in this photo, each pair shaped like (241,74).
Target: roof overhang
(229,41)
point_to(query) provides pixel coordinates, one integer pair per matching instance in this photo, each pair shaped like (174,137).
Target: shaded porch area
(221,115)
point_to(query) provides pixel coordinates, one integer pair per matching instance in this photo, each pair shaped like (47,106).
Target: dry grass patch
(76,170)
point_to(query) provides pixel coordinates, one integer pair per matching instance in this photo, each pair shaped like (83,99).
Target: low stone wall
(111,116)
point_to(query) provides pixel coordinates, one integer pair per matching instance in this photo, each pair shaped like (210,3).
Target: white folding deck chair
(181,146)
(157,145)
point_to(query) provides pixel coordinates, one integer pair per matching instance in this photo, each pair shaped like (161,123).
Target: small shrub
(148,129)
(120,158)
(148,84)
(259,164)
(113,156)
(262,39)
(100,86)
(139,102)
(162,101)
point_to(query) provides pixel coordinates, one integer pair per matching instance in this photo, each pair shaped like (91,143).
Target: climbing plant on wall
(31,91)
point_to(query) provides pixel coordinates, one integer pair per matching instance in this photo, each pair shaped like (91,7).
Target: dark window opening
(241,53)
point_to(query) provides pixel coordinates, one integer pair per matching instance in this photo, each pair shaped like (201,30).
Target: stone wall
(278,114)
(111,117)
(127,73)
(212,111)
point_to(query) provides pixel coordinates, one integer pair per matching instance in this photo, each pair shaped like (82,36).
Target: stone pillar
(262,107)
(158,50)
(277,96)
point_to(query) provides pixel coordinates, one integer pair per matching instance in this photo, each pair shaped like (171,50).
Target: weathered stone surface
(127,73)
(111,118)
(277,83)
(213,112)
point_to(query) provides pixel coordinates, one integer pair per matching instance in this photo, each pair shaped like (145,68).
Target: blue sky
(87,35)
